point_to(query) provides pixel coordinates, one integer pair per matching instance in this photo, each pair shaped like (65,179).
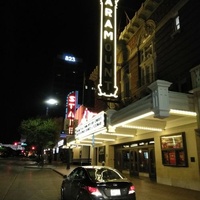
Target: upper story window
(147,53)
(177,26)
(177,23)
(126,81)
(146,64)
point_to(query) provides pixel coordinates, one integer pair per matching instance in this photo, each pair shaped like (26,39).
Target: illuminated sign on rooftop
(70,58)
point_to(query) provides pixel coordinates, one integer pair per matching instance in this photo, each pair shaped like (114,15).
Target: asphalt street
(25,180)
(145,188)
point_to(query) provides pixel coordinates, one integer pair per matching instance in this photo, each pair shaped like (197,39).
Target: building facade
(152,128)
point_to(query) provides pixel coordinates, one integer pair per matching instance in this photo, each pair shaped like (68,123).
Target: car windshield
(103,174)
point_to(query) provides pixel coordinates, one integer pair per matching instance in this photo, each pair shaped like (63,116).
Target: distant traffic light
(15,143)
(33,147)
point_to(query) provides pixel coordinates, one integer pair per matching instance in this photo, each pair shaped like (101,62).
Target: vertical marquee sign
(107,64)
(70,113)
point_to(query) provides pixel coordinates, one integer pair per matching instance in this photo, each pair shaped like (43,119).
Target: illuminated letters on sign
(107,64)
(70,115)
(91,126)
(70,58)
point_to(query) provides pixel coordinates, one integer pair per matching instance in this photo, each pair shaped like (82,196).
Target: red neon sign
(70,115)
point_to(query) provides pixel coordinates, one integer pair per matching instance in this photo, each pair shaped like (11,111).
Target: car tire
(83,198)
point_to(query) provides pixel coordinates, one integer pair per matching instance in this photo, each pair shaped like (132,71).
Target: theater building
(152,127)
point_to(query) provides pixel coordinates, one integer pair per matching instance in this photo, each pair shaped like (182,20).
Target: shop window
(174,151)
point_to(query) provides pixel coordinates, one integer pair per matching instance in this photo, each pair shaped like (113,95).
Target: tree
(43,133)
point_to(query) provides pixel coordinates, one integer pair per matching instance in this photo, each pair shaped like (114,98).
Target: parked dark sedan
(96,183)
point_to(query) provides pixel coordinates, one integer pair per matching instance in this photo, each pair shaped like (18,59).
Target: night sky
(34,35)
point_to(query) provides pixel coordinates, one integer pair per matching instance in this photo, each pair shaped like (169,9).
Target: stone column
(195,77)
(160,98)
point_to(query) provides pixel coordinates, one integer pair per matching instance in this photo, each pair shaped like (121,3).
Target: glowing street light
(50,102)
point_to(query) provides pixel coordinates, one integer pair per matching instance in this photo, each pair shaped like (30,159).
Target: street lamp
(50,102)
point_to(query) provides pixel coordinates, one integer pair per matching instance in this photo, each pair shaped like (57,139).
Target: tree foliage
(41,132)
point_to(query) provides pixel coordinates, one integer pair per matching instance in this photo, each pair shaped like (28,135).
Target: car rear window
(103,174)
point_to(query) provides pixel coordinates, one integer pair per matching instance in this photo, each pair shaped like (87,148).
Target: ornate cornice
(141,16)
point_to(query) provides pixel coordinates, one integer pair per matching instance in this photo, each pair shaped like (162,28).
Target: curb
(59,172)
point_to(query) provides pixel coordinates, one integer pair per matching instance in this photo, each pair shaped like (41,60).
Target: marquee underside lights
(183,112)
(107,86)
(143,128)
(119,134)
(135,119)
(104,139)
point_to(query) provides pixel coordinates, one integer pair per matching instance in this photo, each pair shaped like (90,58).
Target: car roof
(97,167)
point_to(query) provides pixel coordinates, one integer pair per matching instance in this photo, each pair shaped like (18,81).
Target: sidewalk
(145,188)
(59,167)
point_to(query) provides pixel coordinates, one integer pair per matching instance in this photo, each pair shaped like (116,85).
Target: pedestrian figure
(49,158)
(40,161)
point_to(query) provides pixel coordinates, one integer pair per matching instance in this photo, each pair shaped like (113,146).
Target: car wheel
(83,198)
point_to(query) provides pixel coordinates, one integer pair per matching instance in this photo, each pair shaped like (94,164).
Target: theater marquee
(107,86)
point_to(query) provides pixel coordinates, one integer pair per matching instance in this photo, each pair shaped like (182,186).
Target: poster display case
(174,152)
